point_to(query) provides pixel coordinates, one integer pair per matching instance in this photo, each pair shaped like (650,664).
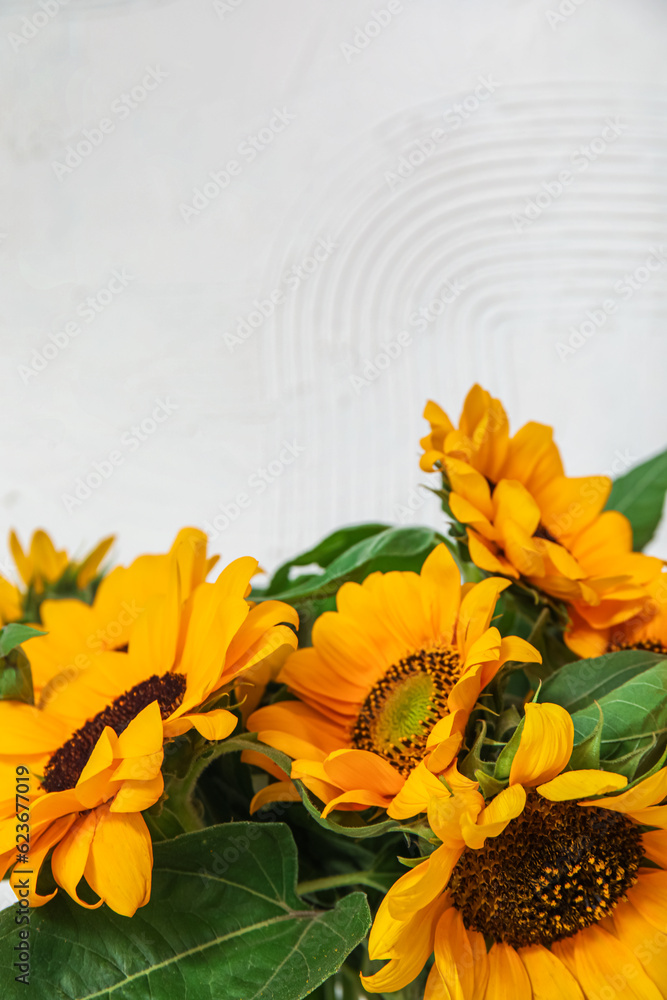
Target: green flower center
(404,705)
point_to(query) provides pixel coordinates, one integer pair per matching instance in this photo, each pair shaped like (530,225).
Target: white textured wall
(398,243)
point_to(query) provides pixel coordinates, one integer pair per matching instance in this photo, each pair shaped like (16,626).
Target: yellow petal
(460,957)
(120,863)
(277,791)
(419,886)
(644,940)
(71,855)
(214,725)
(579,784)
(443,592)
(549,978)
(508,979)
(602,964)
(477,609)
(492,820)
(648,792)
(649,897)
(407,943)
(135,796)
(545,746)
(88,568)
(39,848)
(25,729)
(655,847)
(413,798)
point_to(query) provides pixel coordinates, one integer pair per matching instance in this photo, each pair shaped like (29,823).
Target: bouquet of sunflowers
(417,762)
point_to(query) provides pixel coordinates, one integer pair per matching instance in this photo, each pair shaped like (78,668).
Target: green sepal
(489,785)
(507,754)
(586,754)
(14,634)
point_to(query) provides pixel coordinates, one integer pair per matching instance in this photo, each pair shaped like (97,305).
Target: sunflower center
(556,869)
(401,708)
(652,645)
(65,766)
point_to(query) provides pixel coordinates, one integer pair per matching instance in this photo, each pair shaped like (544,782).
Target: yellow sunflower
(525,519)
(543,892)
(43,565)
(94,748)
(79,632)
(391,678)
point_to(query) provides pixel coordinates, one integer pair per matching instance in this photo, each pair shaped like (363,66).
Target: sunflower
(645,630)
(45,570)
(554,888)
(391,678)
(78,632)
(525,519)
(95,747)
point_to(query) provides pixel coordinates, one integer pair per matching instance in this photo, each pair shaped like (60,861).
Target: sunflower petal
(580,784)
(549,978)
(71,855)
(508,979)
(545,746)
(120,862)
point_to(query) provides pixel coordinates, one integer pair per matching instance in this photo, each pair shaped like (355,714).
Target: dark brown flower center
(651,645)
(65,766)
(402,707)
(556,869)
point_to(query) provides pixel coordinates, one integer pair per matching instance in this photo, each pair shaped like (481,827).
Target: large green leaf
(224,923)
(391,548)
(632,714)
(322,555)
(640,495)
(577,685)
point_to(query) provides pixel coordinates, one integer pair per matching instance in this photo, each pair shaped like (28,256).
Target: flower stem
(181,791)
(538,627)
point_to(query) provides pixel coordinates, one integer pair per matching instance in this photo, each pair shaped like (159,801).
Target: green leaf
(224,921)
(13,635)
(640,495)
(632,714)
(391,548)
(322,555)
(578,685)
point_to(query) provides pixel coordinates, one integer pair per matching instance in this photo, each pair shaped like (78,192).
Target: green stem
(337,882)
(541,621)
(181,791)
